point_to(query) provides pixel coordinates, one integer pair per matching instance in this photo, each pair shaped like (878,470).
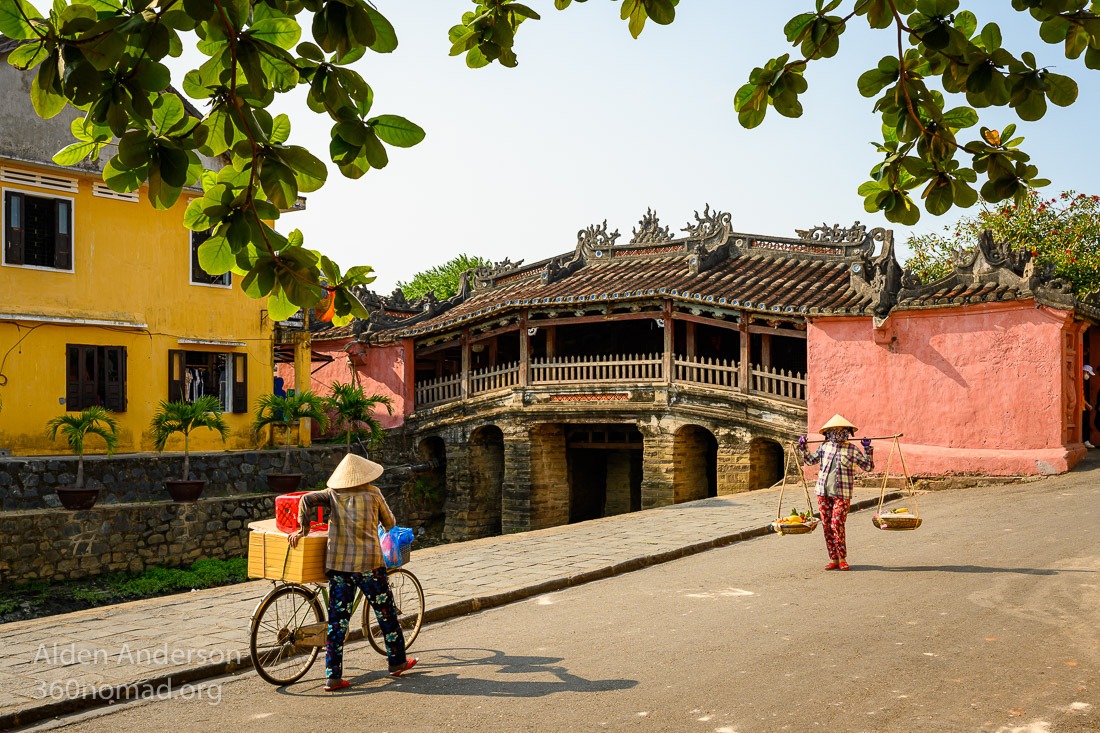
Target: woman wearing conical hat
(838,458)
(353,558)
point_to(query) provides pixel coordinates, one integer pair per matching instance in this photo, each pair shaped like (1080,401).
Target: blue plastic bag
(393,542)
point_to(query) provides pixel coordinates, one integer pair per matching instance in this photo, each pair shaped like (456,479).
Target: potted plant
(183,417)
(76,427)
(284,412)
(355,408)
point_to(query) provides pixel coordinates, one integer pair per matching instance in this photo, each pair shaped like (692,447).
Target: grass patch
(37,599)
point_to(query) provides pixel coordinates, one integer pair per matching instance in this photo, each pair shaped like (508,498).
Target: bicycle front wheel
(274,636)
(408,596)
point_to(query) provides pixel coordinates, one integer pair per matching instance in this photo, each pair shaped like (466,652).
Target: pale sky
(595,125)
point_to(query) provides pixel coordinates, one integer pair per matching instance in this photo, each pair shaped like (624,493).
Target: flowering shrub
(1063,231)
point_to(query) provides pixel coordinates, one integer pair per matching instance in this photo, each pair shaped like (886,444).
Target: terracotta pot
(77,499)
(185,491)
(284,482)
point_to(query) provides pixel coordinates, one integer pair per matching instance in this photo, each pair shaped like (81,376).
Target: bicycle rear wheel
(274,634)
(408,596)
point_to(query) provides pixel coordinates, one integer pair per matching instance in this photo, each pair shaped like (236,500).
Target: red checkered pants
(834,512)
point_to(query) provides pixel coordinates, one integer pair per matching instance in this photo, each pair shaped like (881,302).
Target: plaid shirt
(353,519)
(840,458)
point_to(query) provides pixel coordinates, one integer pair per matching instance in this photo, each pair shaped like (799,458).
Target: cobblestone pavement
(49,666)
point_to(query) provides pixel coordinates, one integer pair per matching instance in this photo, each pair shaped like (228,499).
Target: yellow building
(102,300)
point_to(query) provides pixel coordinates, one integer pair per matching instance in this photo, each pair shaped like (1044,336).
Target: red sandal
(833,565)
(409,664)
(337,685)
(844,565)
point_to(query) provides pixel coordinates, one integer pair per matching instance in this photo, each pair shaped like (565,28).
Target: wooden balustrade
(781,383)
(596,369)
(492,379)
(706,371)
(440,389)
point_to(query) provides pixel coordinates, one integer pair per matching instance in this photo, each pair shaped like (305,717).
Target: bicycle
(289,626)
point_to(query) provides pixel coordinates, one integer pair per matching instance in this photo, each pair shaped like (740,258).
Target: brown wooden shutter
(175,376)
(240,382)
(114,378)
(63,235)
(89,376)
(13,228)
(72,377)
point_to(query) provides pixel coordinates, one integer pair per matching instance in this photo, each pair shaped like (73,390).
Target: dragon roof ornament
(710,227)
(650,231)
(596,240)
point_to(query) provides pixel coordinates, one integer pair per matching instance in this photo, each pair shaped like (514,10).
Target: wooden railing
(595,369)
(491,379)
(781,383)
(441,389)
(706,371)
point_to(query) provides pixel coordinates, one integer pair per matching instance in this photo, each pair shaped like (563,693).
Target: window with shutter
(240,382)
(38,231)
(95,375)
(13,228)
(177,392)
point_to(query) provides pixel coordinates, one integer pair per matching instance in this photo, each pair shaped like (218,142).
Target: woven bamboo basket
(896,521)
(802,528)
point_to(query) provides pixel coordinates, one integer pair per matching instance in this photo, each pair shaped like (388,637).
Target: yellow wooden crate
(271,556)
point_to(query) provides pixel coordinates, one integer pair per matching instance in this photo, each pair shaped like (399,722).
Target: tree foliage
(183,417)
(354,410)
(944,53)
(283,412)
(106,58)
(75,427)
(441,280)
(1063,231)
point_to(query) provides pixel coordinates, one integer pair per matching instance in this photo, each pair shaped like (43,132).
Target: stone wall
(48,544)
(549,477)
(28,483)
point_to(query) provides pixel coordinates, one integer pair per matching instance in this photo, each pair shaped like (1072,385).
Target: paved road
(985,619)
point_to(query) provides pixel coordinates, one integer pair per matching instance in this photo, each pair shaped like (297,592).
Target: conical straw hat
(837,421)
(354,471)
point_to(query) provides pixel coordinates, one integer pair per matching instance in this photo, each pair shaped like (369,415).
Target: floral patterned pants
(341,594)
(834,513)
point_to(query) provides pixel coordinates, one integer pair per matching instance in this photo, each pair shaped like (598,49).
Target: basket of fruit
(796,523)
(896,519)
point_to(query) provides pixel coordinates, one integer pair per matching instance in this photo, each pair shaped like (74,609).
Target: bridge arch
(766,458)
(695,464)
(486,462)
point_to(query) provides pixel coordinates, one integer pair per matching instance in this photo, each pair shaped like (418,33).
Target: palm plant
(283,412)
(354,409)
(76,427)
(183,417)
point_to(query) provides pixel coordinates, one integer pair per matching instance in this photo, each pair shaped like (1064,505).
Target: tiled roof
(825,271)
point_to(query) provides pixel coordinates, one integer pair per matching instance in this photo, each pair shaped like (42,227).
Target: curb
(132,690)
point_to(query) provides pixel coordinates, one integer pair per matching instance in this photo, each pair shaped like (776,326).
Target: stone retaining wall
(29,483)
(48,544)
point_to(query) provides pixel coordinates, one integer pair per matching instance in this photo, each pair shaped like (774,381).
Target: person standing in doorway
(1090,408)
(353,558)
(834,482)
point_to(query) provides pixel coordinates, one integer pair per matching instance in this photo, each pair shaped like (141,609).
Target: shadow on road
(963,569)
(425,681)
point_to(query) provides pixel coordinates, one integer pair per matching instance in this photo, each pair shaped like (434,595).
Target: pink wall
(383,370)
(976,389)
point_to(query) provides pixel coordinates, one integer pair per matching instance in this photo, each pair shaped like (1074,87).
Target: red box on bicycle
(286,513)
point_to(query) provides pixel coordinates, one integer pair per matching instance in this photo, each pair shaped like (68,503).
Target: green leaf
(28,55)
(1061,90)
(46,100)
(216,256)
(309,167)
(282,32)
(167,112)
(279,307)
(13,24)
(375,152)
(661,12)
(991,37)
(960,118)
(280,129)
(123,180)
(385,38)
(396,131)
(75,153)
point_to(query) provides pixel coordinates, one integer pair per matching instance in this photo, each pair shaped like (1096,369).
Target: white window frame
(4,226)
